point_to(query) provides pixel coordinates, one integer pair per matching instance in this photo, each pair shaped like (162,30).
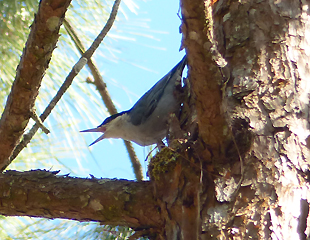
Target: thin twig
(74,71)
(37,119)
(101,87)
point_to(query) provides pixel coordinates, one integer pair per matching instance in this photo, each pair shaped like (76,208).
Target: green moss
(162,163)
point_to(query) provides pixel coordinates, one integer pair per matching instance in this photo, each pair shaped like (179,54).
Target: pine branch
(40,193)
(69,79)
(30,71)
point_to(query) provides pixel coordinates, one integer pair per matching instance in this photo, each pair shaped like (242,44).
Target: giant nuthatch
(146,122)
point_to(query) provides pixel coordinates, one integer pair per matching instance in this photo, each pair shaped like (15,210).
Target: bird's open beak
(97,129)
(99,139)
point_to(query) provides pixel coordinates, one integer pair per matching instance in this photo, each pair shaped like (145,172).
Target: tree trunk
(261,184)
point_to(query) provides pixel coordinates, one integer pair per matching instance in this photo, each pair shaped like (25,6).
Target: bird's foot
(160,145)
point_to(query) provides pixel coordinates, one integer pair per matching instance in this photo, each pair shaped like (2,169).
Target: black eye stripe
(109,119)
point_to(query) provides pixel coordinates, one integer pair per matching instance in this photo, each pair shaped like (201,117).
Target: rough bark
(45,194)
(205,77)
(177,182)
(30,71)
(261,182)
(266,97)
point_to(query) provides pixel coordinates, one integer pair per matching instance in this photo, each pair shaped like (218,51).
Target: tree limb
(69,79)
(30,71)
(205,75)
(40,193)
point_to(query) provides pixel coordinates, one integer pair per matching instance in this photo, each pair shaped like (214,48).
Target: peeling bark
(266,47)
(34,61)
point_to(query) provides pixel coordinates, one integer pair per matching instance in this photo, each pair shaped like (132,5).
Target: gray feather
(150,99)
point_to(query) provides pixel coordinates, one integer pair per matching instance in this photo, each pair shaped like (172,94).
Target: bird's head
(112,127)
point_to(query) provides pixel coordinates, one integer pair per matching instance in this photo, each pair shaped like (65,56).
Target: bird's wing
(148,102)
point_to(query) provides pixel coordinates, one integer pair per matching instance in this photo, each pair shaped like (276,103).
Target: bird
(146,123)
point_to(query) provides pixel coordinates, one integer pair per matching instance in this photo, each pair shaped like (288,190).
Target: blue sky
(141,64)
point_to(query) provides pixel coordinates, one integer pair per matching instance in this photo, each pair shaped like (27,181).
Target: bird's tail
(179,67)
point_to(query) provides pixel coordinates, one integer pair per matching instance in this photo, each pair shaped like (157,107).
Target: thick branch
(41,193)
(66,84)
(205,74)
(34,61)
